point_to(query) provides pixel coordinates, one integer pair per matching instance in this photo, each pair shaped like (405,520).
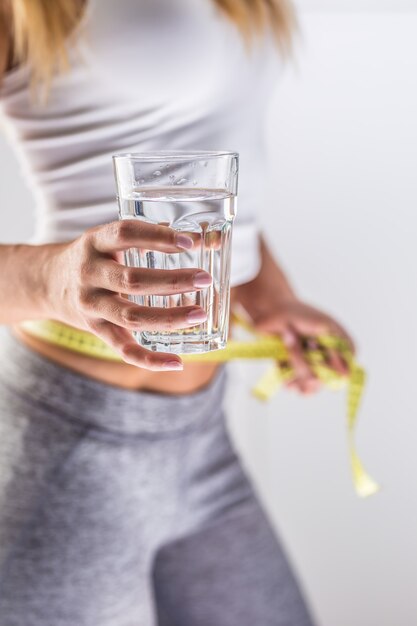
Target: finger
(210,239)
(127,234)
(293,385)
(304,386)
(131,352)
(336,362)
(331,327)
(310,386)
(339,331)
(302,370)
(214,240)
(142,281)
(317,323)
(312,344)
(129,315)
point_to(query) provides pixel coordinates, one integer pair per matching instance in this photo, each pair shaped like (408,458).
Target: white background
(342,137)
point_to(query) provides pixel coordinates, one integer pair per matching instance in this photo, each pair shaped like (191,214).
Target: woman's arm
(80,282)
(274,307)
(270,287)
(23,283)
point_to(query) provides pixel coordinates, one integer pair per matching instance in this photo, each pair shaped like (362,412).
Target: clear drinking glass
(195,193)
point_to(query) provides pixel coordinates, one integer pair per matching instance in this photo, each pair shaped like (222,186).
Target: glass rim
(173,155)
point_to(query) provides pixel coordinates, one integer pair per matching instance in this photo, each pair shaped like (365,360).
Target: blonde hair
(40,28)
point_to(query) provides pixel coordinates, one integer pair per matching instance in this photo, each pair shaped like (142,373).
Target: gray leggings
(123,508)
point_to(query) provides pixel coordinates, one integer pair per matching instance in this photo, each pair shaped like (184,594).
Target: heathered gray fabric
(123,508)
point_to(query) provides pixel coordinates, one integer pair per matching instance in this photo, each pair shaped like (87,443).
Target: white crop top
(145,75)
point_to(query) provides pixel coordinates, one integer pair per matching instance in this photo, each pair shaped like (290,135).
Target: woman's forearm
(271,284)
(23,284)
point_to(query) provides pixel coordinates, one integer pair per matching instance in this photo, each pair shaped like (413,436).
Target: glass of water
(194,193)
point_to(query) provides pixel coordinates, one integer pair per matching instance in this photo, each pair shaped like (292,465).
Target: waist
(45,384)
(117,373)
(103,365)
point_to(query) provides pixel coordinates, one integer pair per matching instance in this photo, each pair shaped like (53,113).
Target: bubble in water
(157,173)
(194,182)
(181,181)
(171,178)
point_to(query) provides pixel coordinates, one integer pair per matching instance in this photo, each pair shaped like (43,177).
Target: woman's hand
(295,320)
(85,281)
(274,308)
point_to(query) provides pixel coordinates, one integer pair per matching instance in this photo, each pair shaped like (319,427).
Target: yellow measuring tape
(262,347)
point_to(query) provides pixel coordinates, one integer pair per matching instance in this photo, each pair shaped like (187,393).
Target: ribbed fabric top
(145,75)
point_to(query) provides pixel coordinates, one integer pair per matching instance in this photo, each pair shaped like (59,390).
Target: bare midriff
(193,377)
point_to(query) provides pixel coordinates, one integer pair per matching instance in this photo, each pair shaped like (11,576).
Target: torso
(193,377)
(112,101)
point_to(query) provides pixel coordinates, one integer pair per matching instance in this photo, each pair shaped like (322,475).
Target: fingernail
(173,365)
(197,316)
(202,279)
(183,241)
(288,338)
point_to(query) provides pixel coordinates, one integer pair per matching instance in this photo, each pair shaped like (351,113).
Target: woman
(122,501)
